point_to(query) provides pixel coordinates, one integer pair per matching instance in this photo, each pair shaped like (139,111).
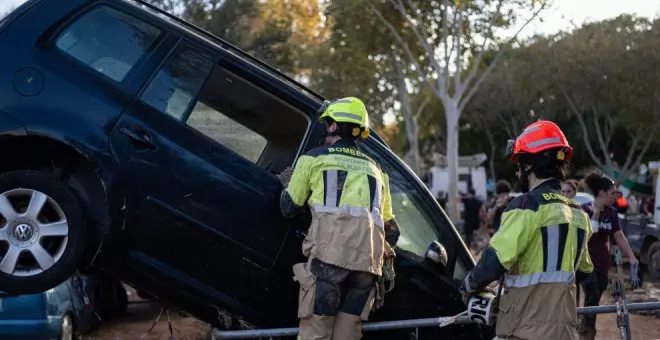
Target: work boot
(316,327)
(347,327)
(585,330)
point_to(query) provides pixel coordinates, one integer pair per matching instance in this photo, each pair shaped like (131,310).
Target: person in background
(441,197)
(604,223)
(472,206)
(633,205)
(502,198)
(569,188)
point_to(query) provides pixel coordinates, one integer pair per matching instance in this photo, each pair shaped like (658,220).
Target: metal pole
(412,323)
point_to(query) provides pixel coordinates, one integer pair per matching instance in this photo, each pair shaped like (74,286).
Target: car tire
(67,330)
(653,260)
(56,211)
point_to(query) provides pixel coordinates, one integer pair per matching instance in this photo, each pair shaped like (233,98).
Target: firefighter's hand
(467,293)
(285,176)
(635,279)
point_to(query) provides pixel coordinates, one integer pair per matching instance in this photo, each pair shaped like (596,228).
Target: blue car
(60,313)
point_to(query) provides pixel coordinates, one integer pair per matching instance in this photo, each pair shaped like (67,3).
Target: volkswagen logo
(23,232)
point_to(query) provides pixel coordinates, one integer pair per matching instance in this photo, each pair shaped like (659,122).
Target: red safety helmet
(538,137)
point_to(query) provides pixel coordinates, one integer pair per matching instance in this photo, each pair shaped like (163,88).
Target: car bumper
(30,329)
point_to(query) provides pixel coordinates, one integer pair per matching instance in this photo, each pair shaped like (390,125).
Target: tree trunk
(412,134)
(493,149)
(412,156)
(451,112)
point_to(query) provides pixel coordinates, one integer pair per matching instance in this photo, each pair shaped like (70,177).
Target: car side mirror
(437,254)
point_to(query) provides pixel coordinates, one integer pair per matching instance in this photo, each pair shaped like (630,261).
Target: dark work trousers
(469,236)
(592,287)
(340,290)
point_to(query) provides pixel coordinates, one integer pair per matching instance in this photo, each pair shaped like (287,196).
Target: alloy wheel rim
(34,232)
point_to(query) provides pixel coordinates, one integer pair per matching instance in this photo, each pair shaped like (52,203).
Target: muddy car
(143,146)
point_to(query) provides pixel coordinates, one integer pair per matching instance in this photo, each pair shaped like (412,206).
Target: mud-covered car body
(161,144)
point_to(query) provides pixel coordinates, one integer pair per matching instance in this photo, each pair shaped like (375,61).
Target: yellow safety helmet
(348,110)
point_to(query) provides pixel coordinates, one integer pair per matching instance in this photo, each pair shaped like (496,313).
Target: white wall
(439,180)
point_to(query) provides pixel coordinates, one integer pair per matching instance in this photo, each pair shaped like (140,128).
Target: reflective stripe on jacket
(541,243)
(349,197)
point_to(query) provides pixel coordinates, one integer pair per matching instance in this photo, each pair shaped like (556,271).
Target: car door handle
(140,136)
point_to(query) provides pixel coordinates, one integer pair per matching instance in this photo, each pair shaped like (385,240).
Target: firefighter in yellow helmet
(540,250)
(353,230)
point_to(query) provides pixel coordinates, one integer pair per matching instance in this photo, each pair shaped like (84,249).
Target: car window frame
(182,44)
(430,207)
(134,73)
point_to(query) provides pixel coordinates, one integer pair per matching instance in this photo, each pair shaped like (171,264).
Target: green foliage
(599,82)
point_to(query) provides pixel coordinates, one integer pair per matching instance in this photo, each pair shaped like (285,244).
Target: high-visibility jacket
(349,198)
(541,244)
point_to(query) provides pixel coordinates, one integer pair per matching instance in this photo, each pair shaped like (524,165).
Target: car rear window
(109,41)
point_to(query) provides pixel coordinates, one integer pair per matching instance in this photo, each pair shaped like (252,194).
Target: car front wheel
(42,232)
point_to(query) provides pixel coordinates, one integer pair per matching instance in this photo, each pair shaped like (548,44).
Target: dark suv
(138,144)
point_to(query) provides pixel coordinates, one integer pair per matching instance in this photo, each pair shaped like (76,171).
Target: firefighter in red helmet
(541,247)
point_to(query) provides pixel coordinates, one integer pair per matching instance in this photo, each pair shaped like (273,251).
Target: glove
(462,289)
(635,279)
(285,175)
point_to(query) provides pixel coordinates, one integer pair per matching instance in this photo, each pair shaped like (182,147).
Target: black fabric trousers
(469,236)
(592,288)
(340,290)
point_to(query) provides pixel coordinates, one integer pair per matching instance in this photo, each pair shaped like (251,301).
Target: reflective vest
(349,198)
(542,241)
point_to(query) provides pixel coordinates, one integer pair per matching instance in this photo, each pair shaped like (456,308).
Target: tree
(280,32)
(508,99)
(614,95)
(461,24)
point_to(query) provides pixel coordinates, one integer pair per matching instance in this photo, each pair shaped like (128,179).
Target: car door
(199,211)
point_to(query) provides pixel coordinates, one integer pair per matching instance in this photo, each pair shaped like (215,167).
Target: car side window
(109,41)
(417,226)
(226,131)
(177,83)
(417,230)
(219,113)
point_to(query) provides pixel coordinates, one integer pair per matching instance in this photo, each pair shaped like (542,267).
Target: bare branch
(585,131)
(506,126)
(463,101)
(458,34)
(421,107)
(404,45)
(631,152)
(445,36)
(480,56)
(422,38)
(610,130)
(624,174)
(599,134)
